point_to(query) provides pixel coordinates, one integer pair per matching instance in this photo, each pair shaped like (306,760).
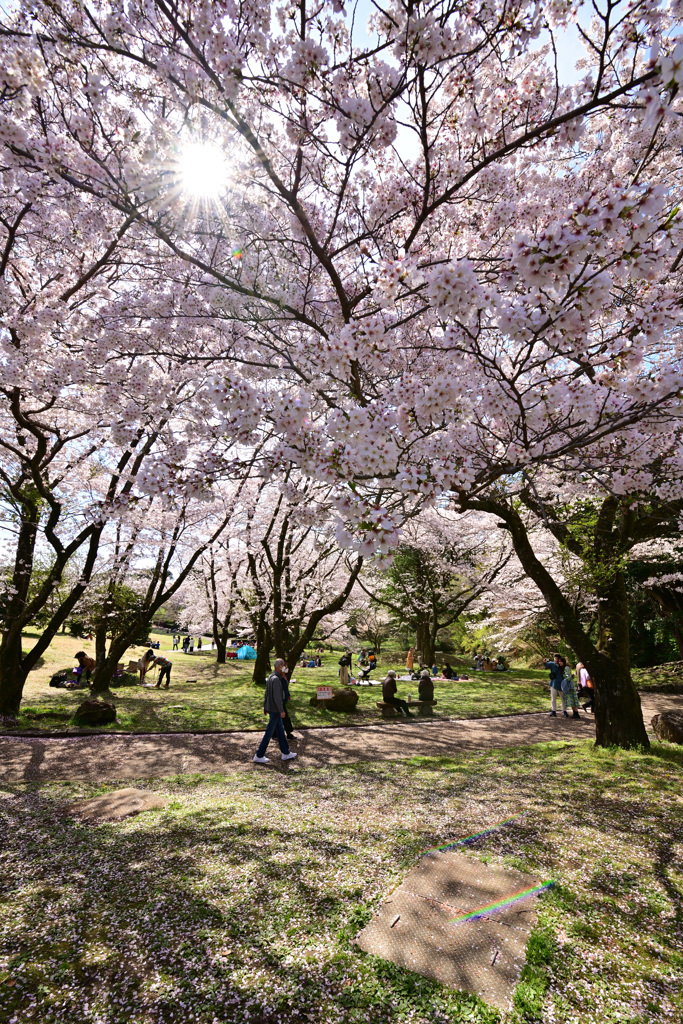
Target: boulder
(668,726)
(94,712)
(344,699)
(121,803)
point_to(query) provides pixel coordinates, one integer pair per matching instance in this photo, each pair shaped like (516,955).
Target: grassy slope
(223,697)
(239,901)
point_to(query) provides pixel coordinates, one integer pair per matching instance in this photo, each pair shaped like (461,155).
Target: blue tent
(246,653)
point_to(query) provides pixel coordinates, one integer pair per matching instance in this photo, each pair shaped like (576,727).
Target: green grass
(222,697)
(239,901)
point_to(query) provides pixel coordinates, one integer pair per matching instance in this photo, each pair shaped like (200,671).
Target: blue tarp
(246,653)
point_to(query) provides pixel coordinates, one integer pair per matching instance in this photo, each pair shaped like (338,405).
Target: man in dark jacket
(274,707)
(286,721)
(389,694)
(556,676)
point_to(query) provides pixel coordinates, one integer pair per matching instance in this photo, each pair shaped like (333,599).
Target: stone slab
(121,803)
(417,927)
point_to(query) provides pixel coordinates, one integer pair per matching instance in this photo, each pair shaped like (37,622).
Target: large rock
(668,726)
(344,699)
(95,712)
(121,803)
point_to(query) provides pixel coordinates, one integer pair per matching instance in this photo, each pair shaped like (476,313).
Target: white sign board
(324,693)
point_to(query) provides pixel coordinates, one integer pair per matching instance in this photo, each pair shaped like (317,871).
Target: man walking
(274,707)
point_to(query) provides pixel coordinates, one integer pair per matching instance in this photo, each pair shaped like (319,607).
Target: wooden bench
(424,707)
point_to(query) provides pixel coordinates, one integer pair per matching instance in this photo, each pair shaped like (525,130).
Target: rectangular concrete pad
(484,956)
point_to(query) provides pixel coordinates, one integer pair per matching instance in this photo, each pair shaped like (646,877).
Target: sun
(203,170)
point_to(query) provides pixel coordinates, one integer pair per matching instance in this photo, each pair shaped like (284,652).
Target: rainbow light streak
(477,835)
(515,898)
(236,254)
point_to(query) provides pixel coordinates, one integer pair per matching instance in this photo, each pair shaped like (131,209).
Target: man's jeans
(274,727)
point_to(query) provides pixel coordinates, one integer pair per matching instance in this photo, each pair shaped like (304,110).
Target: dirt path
(107,758)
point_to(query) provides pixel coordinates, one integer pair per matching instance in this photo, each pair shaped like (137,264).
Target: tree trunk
(618,713)
(104,674)
(429,649)
(264,643)
(12,676)
(221,649)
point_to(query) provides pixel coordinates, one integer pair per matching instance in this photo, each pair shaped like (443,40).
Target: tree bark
(13,676)
(264,643)
(618,714)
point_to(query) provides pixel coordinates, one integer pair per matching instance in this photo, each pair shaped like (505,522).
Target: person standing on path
(410,660)
(556,677)
(389,694)
(176,641)
(274,707)
(186,645)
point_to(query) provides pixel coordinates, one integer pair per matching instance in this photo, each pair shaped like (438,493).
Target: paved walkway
(106,758)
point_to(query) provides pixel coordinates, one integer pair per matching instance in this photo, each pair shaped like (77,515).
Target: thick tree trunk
(221,650)
(429,649)
(104,674)
(618,713)
(264,643)
(12,676)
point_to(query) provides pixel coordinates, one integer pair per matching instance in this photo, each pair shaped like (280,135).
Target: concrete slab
(418,925)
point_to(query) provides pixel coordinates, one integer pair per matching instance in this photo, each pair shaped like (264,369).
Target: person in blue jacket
(556,676)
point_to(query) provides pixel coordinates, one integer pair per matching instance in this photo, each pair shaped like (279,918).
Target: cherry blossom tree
(432,267)
(443,565)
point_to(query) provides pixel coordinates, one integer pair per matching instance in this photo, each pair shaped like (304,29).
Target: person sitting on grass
(164,666)
(425,687)
(447,671)
(85,664)
(389,694)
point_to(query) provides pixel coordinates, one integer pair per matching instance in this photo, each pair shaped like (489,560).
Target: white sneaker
(261,760)
(289,756)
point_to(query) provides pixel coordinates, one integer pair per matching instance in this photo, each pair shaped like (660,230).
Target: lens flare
(203,170)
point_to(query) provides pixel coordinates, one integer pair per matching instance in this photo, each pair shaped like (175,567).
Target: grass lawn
(239,901)
(223,696)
